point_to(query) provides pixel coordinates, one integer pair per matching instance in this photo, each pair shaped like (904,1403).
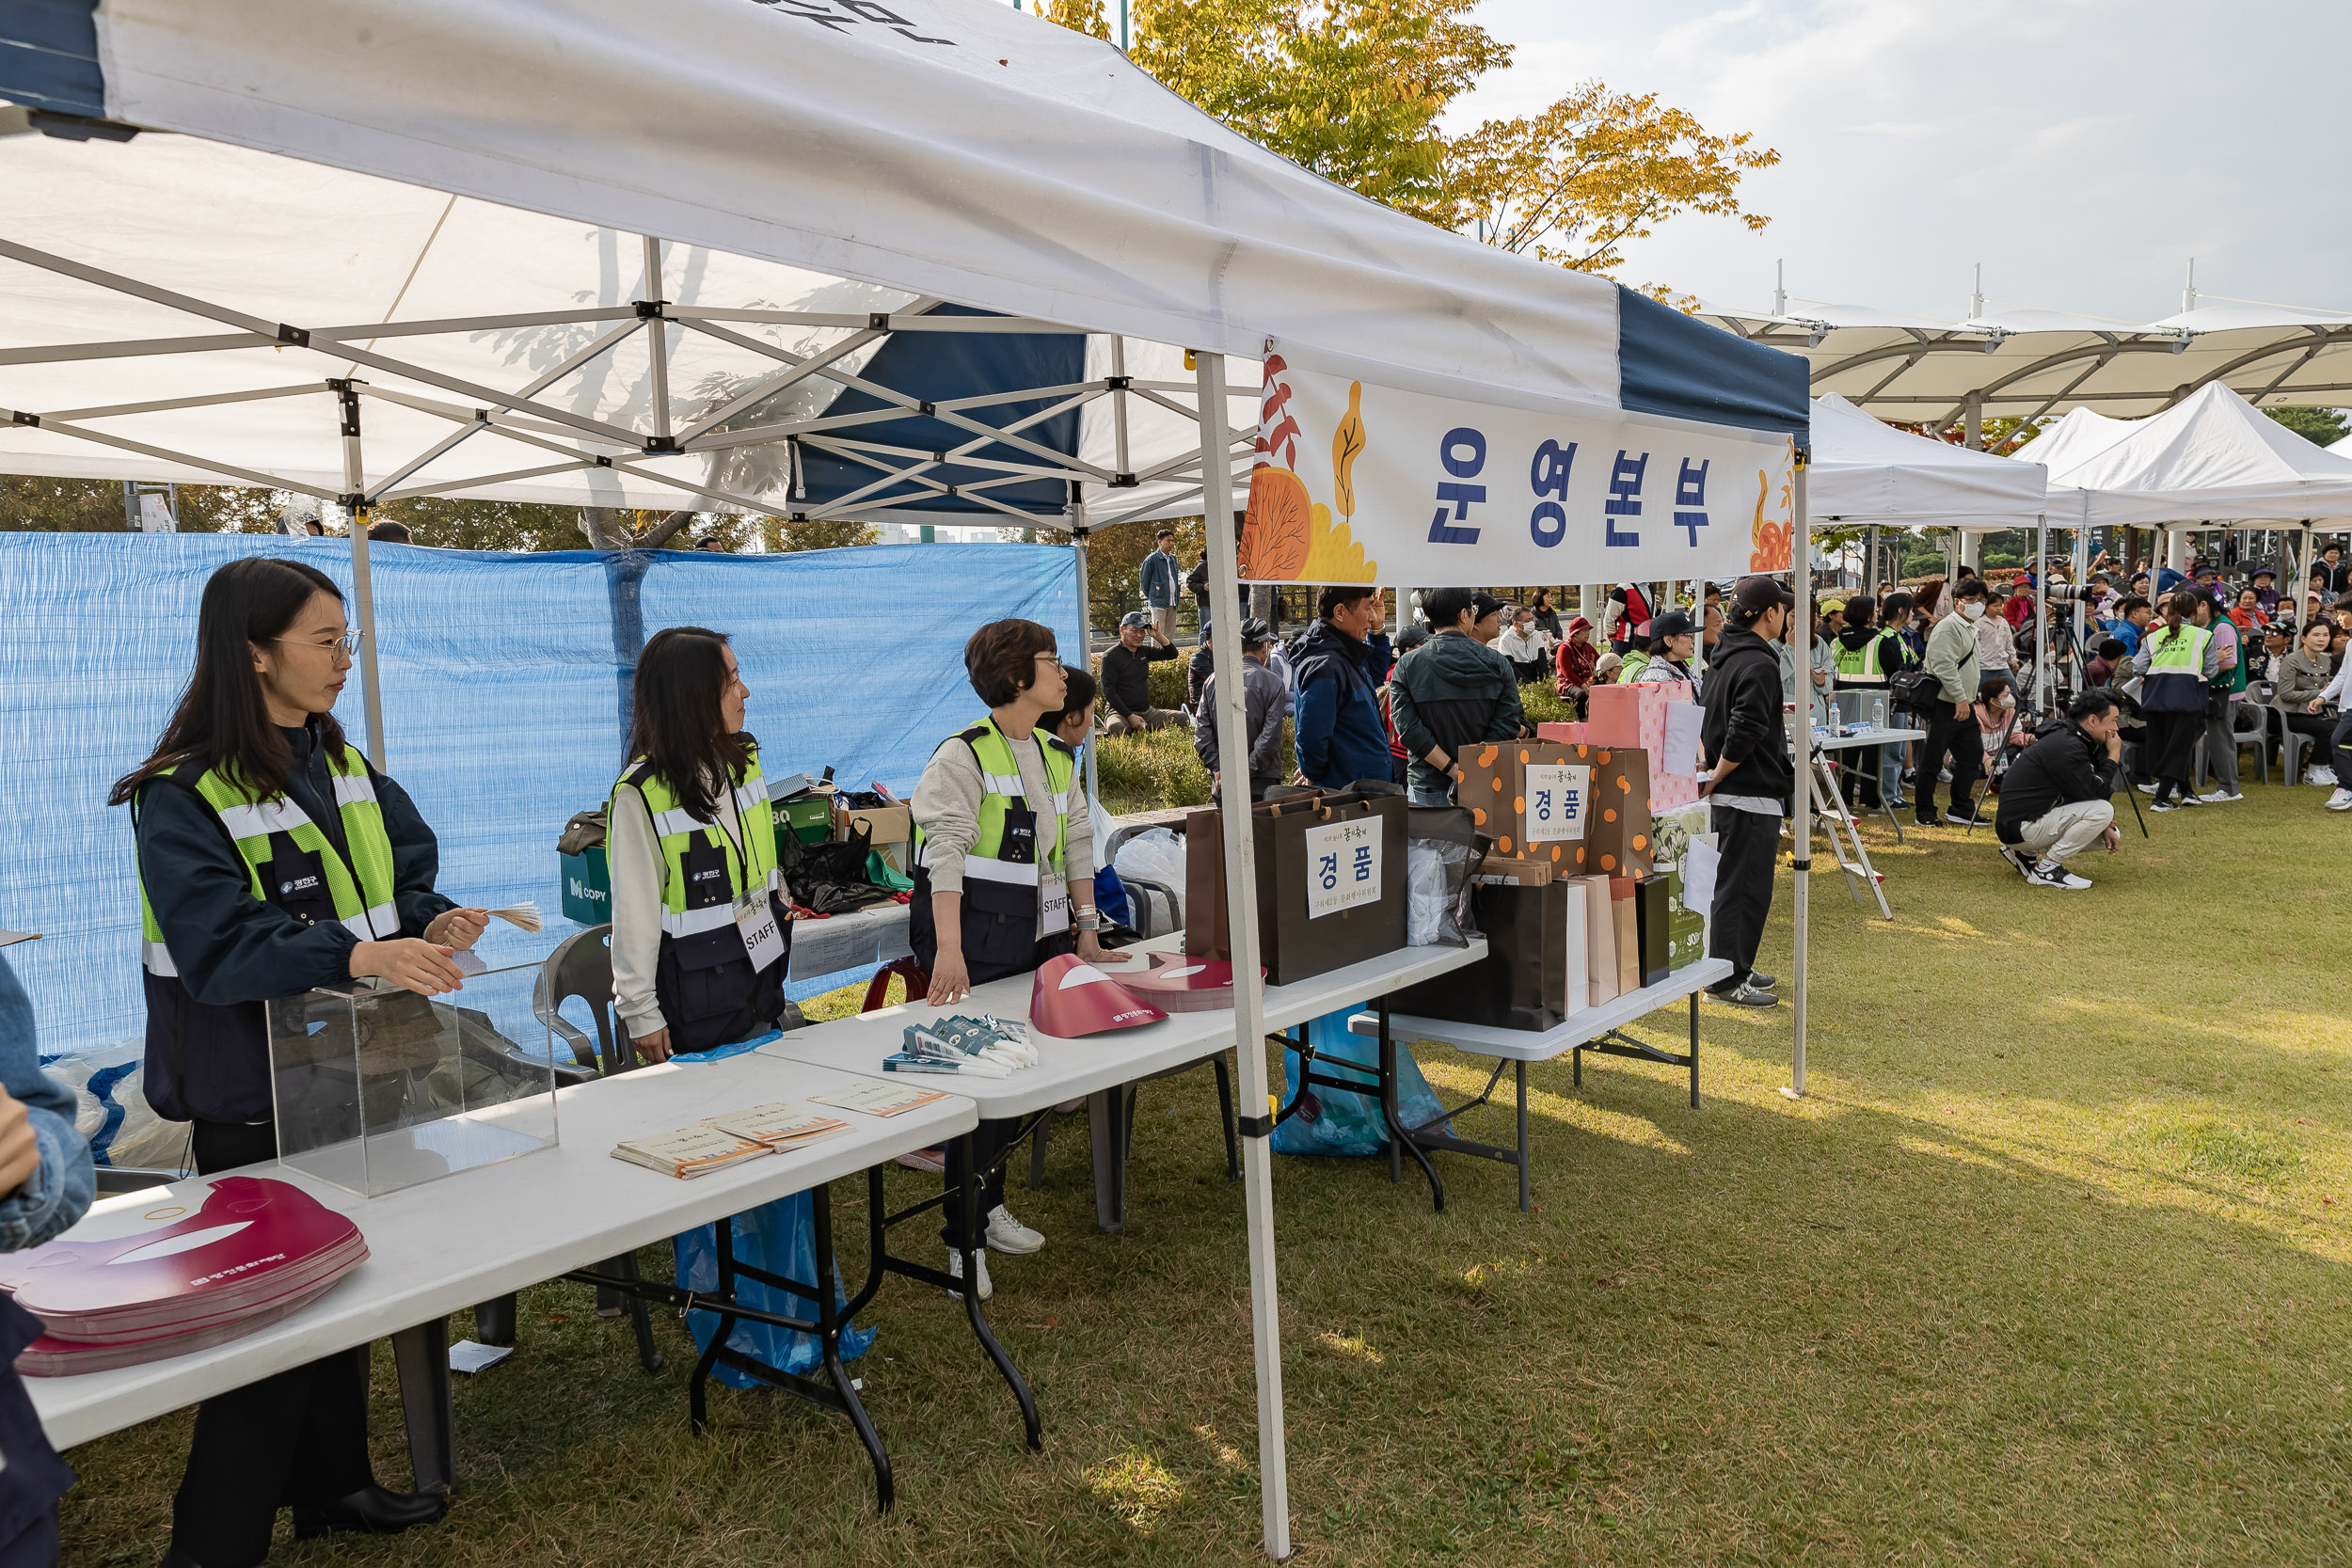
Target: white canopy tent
(1865,471)
(2212,460)
(591,251)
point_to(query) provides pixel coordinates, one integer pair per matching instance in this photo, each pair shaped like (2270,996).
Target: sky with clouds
(2082,150)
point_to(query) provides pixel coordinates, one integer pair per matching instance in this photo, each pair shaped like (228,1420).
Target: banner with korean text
(1359,481)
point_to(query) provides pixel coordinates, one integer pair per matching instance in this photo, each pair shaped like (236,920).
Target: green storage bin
(587,887)
(809,819)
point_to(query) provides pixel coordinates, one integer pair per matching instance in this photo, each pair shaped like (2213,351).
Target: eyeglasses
(348,643)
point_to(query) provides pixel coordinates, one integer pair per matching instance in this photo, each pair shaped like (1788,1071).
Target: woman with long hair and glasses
(2175,662)
(701,943)
(273,859)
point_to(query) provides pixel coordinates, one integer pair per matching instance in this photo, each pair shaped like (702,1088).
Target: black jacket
(2062,766)
(1126,684)
(207,1044)
(1744,718)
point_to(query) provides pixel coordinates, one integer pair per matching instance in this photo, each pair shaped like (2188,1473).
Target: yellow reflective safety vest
(2175,682)
(1008,863)
(709,991)
(291,863)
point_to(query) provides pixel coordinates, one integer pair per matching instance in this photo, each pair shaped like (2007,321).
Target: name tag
(1052,907)
(756,918)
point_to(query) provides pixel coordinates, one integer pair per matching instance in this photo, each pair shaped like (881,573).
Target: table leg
(829,1322)
(1106,1126)
(959,1163)
(1694,1050)
(1399,1137)
(422,1356)
(698,1404)
(1521,1067)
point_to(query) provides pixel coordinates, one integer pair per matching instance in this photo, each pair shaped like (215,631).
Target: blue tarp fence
(505,689)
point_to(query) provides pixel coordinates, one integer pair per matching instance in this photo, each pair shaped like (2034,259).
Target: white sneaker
(954,1271)
(2219,797)
(2146,788)
(1007,1234)
(2047,873)
(2017,859)
(2341,800)
(2326,776)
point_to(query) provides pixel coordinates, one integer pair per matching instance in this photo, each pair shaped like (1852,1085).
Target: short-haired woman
(1004,874)
(2175,662)
(274,860)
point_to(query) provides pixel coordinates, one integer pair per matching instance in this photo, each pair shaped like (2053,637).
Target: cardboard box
(892,827)
(1617,837)
(1531,797)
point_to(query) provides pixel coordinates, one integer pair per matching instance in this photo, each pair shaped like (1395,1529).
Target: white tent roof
(1865,471)
(2026,362)
(2212,458)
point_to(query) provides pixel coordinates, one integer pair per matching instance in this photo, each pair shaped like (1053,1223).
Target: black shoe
(1956,819)
(175,1557)
(1926,819)
(1745,994)
(371,1510)
(1768,982)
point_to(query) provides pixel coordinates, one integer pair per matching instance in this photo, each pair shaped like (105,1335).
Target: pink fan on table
(1183,983)
(1070,998)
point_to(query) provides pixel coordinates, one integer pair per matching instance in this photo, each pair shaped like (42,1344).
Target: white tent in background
(1865,471)
(2210,459)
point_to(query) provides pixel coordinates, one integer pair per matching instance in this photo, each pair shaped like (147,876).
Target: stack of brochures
(728,1139)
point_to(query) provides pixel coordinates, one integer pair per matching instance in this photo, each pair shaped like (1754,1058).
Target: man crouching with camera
(2058,801)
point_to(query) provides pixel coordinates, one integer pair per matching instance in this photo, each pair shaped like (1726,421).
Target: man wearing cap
(1749,781)
(1457,692)
(1485,618)
(1127,682)
(1264,701)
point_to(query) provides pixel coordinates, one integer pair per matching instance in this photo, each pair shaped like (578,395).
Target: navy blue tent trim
(1670,363)
(49,56)
(939,366)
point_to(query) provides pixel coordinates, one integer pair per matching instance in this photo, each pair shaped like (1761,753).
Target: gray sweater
(1264,699)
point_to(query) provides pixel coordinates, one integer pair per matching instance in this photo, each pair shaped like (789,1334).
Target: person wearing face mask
(1953,659)
(1996,718)
(273,859)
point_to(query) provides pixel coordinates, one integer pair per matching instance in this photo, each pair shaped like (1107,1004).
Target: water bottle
(1878,713)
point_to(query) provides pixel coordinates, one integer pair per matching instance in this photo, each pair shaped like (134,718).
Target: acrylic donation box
(379,1088)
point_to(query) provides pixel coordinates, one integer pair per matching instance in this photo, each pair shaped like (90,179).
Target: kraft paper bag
(1600,944)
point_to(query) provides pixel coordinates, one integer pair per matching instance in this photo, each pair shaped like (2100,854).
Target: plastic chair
(582,966)
(2250,726)
(2292,747)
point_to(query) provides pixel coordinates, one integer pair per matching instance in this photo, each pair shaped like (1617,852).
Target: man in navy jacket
(1339,736)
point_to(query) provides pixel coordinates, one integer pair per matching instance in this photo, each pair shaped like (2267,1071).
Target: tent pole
(2042,638)
(1801,750)
(355,507)
(1241,901)
(1086,615)
(1870,564)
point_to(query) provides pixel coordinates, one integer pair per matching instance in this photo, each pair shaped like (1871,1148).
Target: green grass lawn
(2050,1268)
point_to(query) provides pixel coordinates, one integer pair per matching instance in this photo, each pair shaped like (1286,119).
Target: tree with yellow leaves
(1353,90)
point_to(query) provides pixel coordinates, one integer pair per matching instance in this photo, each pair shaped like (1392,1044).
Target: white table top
(442,1246)
(1868,737)
(1531,1045)
(1070,1069)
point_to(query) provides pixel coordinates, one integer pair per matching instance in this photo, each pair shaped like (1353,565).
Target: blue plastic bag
(780,1238)
(1341,1121)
